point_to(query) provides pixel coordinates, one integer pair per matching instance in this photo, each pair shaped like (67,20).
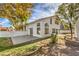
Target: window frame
(46,28)
(51,20)
(38,28)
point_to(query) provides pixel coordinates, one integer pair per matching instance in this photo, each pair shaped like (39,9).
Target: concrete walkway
(22,39)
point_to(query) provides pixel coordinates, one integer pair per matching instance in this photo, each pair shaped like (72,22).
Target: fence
(64,31)
(12,33)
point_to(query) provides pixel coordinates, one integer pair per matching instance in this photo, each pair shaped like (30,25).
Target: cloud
(41,10)
(5,22)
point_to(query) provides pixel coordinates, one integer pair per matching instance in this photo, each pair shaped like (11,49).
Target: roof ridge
(40,19)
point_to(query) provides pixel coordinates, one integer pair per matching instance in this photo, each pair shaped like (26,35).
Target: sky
(39,10)
(5,22)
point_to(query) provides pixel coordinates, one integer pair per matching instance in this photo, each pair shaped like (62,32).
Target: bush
(54,38)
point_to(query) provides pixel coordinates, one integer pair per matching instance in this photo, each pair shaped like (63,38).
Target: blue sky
(5,22)
(39,10)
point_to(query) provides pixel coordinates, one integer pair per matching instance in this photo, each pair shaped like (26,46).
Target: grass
(7,49)
(4,42)
(18,51)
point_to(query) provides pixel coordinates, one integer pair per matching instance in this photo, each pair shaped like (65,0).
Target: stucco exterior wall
(42,27)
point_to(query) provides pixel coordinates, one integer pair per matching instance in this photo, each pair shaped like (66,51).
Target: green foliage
(66,26)
(17,13)
(57,19)
(54,38)
(69,12)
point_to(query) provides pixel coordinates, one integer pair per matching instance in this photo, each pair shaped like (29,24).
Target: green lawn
(19,51)
(5,42)
(6,48)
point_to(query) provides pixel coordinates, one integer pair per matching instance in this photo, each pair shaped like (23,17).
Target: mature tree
(68,12)
(17,13)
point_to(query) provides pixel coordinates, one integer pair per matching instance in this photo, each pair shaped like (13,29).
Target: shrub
(54,38)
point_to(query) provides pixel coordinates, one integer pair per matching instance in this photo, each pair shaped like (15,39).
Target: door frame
(31,31)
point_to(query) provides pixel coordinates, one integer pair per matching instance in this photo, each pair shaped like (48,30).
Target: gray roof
(39,19)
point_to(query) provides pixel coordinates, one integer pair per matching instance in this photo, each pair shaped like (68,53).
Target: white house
(38,29)
(42,27)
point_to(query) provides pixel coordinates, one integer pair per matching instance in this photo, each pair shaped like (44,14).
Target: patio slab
(22,39)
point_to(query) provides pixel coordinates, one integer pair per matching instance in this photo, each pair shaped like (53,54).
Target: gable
(42,19)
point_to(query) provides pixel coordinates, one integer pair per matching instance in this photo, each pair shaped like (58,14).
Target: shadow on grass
(19,45)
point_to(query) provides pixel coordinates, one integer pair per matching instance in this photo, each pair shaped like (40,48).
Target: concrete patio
(22,39)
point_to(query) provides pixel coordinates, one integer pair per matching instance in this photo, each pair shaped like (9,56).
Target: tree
(17,13)
(64,25)
(69,12)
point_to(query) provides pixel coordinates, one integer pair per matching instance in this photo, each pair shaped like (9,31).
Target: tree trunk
(24,27)
(71,30)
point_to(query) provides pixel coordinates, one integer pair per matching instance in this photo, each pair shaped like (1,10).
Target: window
(38,28)
(54,30)
(50,20)
(46,28)
(57,22)
(38,24)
